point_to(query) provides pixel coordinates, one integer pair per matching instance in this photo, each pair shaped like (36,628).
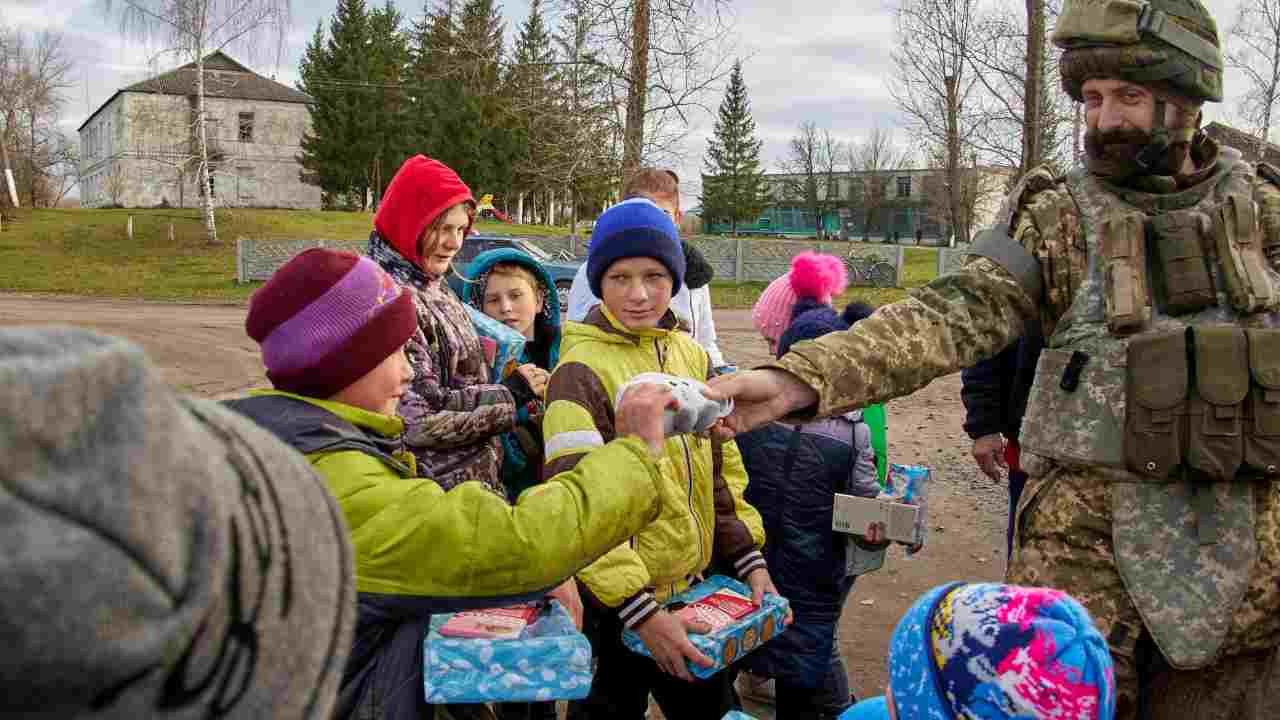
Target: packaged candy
(909,484)
(695,413)
(738,625)
(502,345)
(496,623)
(548,660)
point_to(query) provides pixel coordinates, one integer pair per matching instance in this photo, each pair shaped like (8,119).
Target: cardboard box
(734,640)
(550,660)
(852,515)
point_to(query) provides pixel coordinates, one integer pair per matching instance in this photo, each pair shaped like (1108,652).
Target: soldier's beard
(1114,154)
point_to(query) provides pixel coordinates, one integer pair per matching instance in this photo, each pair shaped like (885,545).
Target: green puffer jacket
(704,516)
(467,546)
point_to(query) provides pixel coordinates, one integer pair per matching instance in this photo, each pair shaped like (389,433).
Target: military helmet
(1167,44)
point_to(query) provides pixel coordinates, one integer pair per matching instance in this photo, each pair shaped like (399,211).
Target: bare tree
(812,174)
(873,163)
(114,183)
(1256,53)
(936,89)
(34,70)
(663,57)
(192,30)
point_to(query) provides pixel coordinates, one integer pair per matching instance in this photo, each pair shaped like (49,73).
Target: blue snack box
(550,660)
(737,715)
(732,642)
(502,345)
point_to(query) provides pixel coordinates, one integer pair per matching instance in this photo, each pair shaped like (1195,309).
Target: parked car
(561,266)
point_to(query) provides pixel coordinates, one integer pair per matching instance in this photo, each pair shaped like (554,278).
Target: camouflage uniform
(1181,576)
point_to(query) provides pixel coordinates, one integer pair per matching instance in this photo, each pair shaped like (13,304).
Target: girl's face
(510,300)
(440,244)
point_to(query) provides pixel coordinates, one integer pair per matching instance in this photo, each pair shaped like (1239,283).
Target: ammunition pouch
(1262,411)
(1124,249)
(1240,253)
(1180,249)
(1206,399)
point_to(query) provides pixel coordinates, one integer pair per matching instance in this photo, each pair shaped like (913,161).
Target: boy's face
(637,291)
(380,389)
(510,300)
(439,247)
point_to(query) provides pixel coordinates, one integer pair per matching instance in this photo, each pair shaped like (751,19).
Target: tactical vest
(1164,376)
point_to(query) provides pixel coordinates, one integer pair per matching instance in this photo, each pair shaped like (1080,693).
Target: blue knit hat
(990,651)
(813,319)
(634,228)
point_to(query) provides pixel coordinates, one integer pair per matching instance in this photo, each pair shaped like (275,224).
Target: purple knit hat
(325,319)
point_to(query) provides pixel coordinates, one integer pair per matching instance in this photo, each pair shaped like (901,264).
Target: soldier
(1153,425)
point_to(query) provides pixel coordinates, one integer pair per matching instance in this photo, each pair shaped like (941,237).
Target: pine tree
(388,110)
(335,149)
(530,101)
(733,184)
(584,152)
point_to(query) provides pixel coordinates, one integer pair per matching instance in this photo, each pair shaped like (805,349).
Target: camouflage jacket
(453,415)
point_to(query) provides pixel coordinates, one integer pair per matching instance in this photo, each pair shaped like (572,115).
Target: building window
(246,127)
(246,183)
(904,186)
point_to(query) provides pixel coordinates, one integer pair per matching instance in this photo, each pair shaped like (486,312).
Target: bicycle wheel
(883,275)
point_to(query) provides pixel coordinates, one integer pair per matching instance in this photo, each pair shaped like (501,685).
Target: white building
(139,150)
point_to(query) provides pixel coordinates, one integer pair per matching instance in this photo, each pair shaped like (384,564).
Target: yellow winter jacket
(703,516)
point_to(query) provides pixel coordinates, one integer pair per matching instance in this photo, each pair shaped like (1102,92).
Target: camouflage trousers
(1064,540)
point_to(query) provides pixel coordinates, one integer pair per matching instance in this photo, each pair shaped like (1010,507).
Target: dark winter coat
(793,473)
(995,391)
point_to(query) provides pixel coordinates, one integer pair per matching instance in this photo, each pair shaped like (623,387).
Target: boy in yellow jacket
(332,327)
(633,263)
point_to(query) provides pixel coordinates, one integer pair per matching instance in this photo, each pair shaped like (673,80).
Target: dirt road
(203,349)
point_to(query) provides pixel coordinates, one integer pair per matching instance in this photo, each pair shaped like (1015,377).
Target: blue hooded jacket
(522,447)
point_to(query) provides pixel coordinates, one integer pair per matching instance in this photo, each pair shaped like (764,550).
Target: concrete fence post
(902,262)
(738,260)
(240,271)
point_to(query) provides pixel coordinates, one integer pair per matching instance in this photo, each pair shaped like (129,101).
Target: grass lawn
(88,252)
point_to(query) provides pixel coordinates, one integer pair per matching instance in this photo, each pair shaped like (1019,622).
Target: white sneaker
(756,687)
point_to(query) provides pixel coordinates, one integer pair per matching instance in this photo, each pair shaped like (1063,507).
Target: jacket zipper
(688,466)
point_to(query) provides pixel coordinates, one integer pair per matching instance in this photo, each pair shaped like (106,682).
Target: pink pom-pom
(818,276)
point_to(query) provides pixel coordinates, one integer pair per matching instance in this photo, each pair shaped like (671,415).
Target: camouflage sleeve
(958,319)
(952,323)
(438,417)
(1266,192)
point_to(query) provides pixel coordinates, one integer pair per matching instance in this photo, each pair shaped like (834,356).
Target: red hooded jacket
(421,190)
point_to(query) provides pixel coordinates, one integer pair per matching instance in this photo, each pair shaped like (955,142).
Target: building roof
(224,78)
(1240,140)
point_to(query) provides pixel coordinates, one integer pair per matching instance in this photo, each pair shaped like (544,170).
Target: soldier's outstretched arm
(952,323)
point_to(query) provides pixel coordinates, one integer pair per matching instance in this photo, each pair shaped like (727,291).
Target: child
(795,471)
(332,327)
(692,300)
(633,264)
(163,557)
(511,287)
(989,651)
(454,416)
(813,275)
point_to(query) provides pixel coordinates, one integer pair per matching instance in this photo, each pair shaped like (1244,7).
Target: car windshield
(538,253)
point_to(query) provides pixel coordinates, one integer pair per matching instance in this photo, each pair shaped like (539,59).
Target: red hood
(421,190)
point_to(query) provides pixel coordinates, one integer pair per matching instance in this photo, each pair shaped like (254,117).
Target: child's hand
(567,594)
(760,583)
(536,377)
(667,637)
(640,413)
(876,534)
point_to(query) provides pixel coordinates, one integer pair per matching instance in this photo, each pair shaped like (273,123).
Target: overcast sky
(803,60)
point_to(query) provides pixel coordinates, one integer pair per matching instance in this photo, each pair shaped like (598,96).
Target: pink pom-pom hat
(812,275)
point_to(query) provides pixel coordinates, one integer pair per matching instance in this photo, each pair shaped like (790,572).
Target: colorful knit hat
(812,275)
(812,321)
(990,651)
(325,319)
(634,228)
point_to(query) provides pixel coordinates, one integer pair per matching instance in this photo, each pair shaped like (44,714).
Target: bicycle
(870,269)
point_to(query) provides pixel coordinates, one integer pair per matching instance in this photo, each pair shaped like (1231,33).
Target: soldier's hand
(988,451)
(640,413)
(759,396)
